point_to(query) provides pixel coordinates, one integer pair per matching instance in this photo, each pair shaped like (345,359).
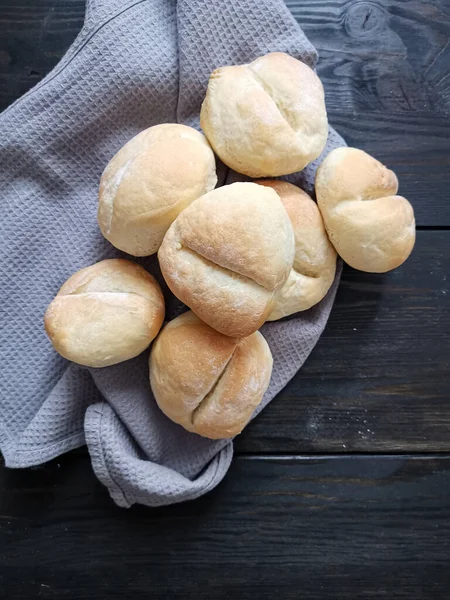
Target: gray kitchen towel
(135,63)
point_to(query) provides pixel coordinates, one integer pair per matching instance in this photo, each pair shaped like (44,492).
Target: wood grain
(378,380)
(325,528)
(385,67)
(34,35)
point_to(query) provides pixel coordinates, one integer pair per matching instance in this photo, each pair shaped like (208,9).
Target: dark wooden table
(341,488)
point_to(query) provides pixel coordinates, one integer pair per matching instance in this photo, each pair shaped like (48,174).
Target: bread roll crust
(105,314)
(266,118)
(228,254)
(371,227)
(149,182)
(314,265)
(207,382)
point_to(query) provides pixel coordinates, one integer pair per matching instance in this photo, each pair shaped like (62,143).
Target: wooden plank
(349,527)
(34,35)
(378,380)
(384,67)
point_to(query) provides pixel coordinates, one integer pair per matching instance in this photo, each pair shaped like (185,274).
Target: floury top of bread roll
(371,227)
(149,182)
(205,381)
(227,255)
(315,258)
(105,314)
(266,118)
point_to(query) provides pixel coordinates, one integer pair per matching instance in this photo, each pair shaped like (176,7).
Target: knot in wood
(363,18)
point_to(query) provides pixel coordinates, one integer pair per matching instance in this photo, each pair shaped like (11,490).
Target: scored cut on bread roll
(205,381)
(105,314)
(149,182)
(228,254)
(314,265)
(371,227)
(266,118)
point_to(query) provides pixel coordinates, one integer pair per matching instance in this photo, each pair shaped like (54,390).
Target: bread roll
(315,258)
(105,314)
(149,182)
(266,118)
(205,381)
(371,227)
(228,254)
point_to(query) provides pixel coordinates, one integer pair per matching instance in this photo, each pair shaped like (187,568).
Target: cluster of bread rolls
(237,256)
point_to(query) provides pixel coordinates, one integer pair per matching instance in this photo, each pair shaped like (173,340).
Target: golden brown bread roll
(266,118)
(228,254)
(371,227)
(149,182)
(105,314)
(205,381)
(315,258)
